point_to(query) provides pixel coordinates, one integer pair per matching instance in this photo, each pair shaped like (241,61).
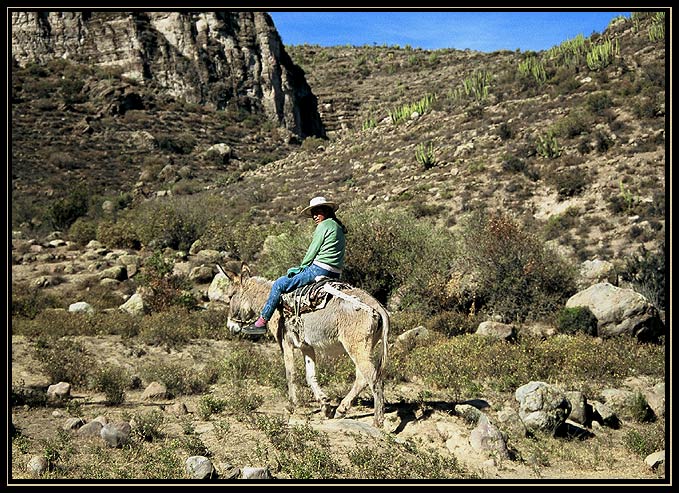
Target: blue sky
(479,30)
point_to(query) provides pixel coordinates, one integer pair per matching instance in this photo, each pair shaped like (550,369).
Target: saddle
(311,297)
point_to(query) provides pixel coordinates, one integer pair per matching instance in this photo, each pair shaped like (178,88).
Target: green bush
(453,323)
(598,102)
(148,425)
(178,144)
(505,131)
(64,360)
(645,441)
(242,239)
(180,379)
(166,328)
(175,222)
(64,212)
(165,289)
(112,381)
(458,364)
(209,405)
(569,182)
(403,460)
(513,164)
(646,271)
(166,224)
(27,302)
(82,231)
(577,319)
(284,249)
(518,277)
(118,234)
(389,253)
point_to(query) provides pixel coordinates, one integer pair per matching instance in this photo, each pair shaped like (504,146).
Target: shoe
(253,330)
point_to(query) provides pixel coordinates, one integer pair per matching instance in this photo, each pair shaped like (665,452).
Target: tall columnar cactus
(532,66)
(602,55)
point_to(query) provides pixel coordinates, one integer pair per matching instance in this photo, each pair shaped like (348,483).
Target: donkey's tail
(384,316)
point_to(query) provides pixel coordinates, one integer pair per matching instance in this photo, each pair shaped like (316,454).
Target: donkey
(352,323)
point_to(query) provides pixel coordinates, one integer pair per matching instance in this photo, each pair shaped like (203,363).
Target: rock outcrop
(217,58)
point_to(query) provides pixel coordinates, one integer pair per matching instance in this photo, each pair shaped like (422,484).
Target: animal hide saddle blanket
(311,297)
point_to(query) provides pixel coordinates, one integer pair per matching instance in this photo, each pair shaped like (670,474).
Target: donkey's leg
(359,385)
(310,367)
(289,360)
(365,368)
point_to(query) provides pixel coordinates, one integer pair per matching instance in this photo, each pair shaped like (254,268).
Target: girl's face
(318,214)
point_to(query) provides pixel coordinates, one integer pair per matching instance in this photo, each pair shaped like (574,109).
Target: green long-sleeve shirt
(327,246)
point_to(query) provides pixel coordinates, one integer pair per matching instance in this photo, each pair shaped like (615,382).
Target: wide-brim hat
(318,202)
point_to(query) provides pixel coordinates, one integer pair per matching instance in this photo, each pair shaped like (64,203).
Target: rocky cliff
(214,58)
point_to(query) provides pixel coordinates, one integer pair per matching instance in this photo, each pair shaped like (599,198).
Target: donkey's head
(240,306)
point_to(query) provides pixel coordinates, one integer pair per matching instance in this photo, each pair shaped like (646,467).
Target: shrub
(577,319)
(243,400)
(64,360)
(505,131)
(166,225)
(112,382)
(178,144)
(646,271)
(645,441)
(209,405)
(639,410)
(246,361)
(389,253)
(513,164)
(453,323)
(572,125)
(165,289)
(179,379)
(598,102)
(517,275)
(167,328)
(148,425)
(312,144)
(117,234)
(64,212)
(403,460)
(28,302)
(569,182)
(175,223)
(603,141)
(82,231)
(242,239)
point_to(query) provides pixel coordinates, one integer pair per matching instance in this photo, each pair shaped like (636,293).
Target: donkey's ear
(244,271)
(228,273)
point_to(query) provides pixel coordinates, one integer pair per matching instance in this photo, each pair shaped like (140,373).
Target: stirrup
(253,330)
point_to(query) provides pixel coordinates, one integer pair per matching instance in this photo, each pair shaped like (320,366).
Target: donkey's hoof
(340,413)
(328,410)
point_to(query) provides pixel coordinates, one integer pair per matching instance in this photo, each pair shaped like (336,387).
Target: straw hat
(318,202)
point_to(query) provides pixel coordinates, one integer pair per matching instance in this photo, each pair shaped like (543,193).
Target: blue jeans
(285,284)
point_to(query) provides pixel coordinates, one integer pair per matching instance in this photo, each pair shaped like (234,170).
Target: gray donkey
(351,321)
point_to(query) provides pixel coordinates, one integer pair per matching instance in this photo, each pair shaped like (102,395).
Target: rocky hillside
(578,152)
(603,186)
